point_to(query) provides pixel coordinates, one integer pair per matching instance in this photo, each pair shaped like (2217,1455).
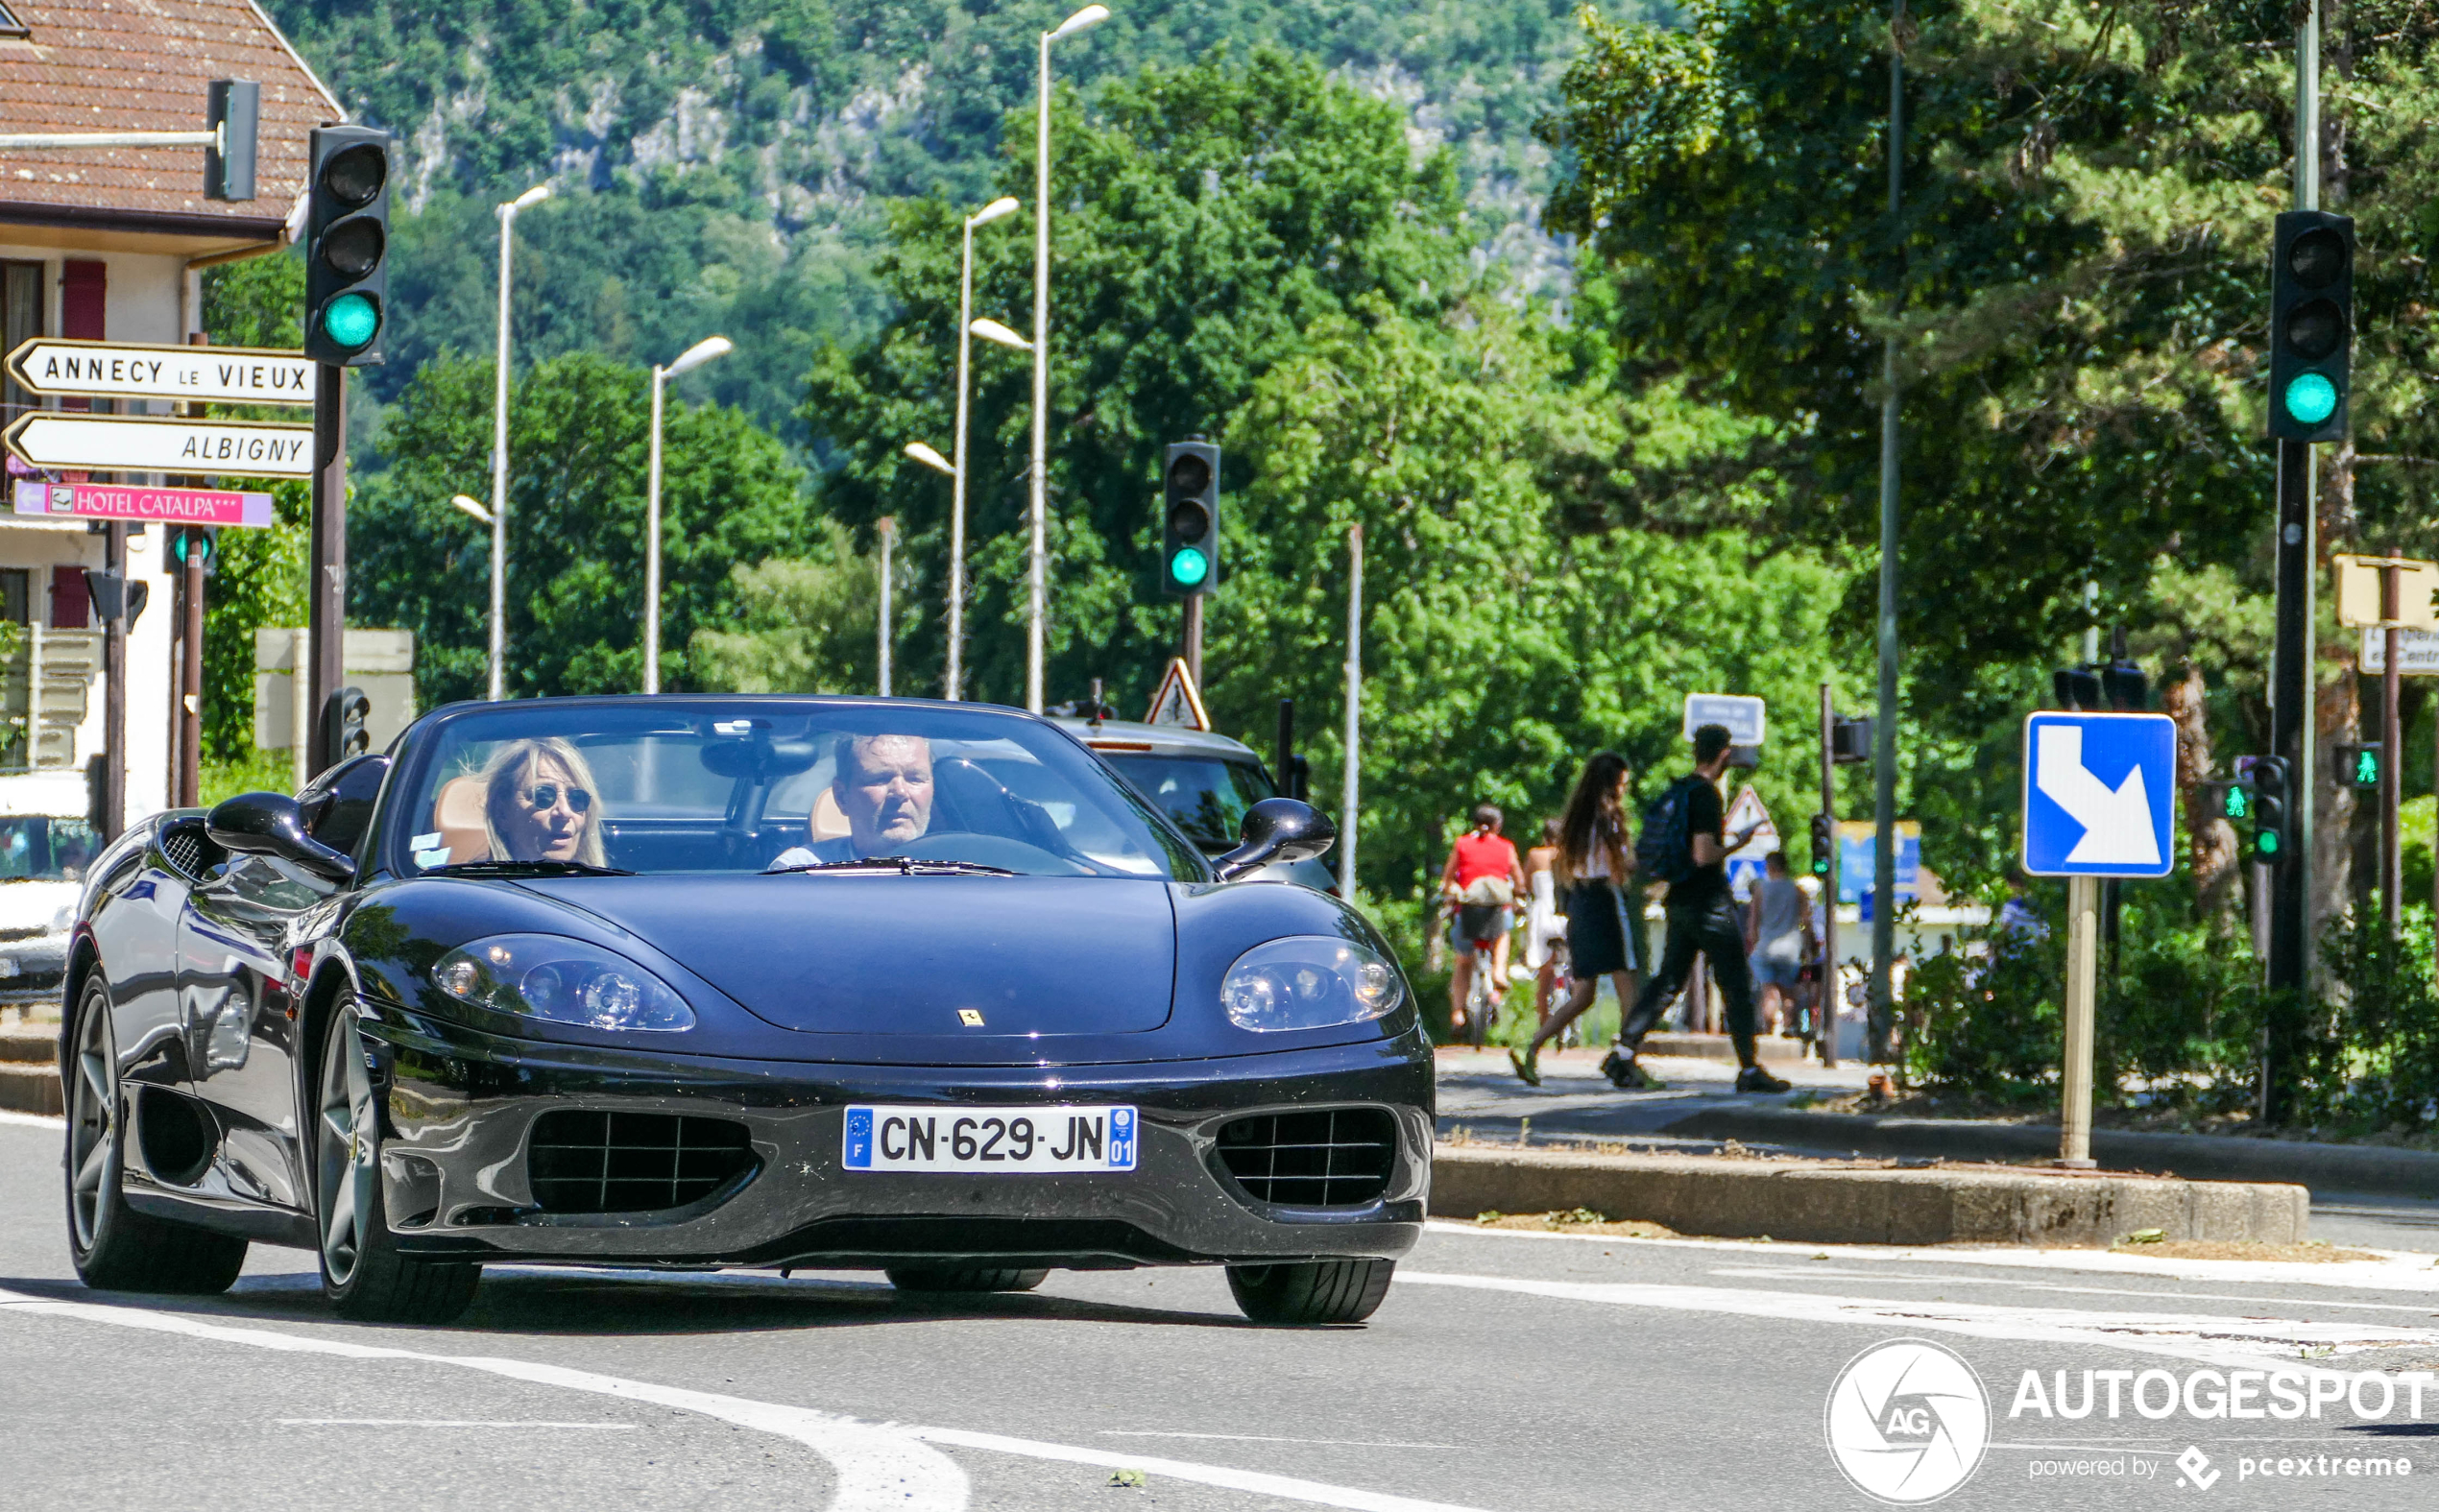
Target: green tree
(804,625)
(577,428)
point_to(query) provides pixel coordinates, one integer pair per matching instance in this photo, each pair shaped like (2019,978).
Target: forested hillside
(722,164)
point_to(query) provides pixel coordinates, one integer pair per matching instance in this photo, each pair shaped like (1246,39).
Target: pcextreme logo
(1908,1421)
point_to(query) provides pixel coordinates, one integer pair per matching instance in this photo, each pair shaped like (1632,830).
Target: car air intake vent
(583,1161)
(1336,1158)
(190,851)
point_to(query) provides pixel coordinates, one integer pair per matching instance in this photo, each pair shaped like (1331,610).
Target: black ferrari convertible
(690,982)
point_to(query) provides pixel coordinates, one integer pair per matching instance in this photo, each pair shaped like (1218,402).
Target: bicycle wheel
(1480,1001)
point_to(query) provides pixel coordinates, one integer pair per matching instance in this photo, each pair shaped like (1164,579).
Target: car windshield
(1206,796)
(680,785)
(46,849)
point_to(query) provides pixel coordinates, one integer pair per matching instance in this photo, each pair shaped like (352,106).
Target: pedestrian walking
(1593,863)
(1685,844)
(1776,921)
(1545,926)
(1480,882)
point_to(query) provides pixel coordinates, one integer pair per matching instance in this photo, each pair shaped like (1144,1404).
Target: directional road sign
(2100,795)
(127,501)
(129,444)
(1744,716)
(2359,582)
(131,371)
(2418,652)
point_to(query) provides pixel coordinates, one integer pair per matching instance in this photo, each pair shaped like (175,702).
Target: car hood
(1034,957)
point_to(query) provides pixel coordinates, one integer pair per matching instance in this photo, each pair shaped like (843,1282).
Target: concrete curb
(30,1069)
(1809,1202)
(2322,1168)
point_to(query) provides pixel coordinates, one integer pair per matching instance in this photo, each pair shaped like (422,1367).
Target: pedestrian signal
(347,245)
(2358,765)
(2236,802)
(2312,325)
(1189,524)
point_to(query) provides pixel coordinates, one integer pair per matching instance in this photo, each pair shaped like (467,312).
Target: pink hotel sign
(123,501)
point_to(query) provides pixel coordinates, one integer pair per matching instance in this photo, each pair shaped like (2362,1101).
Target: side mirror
(271,823)
(1277,829)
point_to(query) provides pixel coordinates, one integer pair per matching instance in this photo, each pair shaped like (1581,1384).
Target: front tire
(116,1248)
(1310,1293)
(964,1277)
(363,1273)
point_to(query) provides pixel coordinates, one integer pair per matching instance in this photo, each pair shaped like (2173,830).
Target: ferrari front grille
(1334,1158)
(583,1161)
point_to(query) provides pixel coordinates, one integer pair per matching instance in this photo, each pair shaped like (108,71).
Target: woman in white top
(1594,860)
(1545,928)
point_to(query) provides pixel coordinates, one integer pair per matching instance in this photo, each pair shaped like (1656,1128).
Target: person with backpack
(1592,865)
(1685,844)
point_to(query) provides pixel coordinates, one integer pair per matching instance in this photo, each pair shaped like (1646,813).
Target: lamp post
(499,449)
(688,360)
(1091,15)
(997,209)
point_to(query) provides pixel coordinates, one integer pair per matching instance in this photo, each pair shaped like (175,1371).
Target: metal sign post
(2389,595)
(2099,802)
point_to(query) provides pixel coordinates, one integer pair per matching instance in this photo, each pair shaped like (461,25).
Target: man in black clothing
(1702,920)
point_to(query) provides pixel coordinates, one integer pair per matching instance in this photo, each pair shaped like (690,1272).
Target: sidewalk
(1701,1110)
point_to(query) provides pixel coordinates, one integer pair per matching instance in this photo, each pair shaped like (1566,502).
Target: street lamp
(472,507)
(688,360)
(992,331)
(1091,15)
(998,209)
(500,447)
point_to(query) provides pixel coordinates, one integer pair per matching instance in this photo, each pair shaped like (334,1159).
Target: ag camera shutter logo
(1908,1421)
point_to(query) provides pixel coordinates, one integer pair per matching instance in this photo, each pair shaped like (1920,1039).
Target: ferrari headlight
(566,981)
(1308,982)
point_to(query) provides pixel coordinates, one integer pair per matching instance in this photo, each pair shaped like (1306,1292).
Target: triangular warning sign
(1746,809)
(1179,701)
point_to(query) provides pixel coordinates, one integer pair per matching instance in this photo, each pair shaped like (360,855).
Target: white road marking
(879,1465)
(1288,1487)
(2396,1270)
(446,1422)
(2018,1283)
(2213,1340)
(1265,1438)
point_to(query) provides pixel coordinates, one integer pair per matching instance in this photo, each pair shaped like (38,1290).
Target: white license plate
(882,1139)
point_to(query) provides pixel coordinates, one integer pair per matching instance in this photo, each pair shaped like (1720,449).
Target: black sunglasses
(545,795)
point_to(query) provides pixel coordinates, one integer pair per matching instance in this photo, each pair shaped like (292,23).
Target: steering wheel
(989,850)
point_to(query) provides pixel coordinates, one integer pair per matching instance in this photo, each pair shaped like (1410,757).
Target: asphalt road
(1506,1371)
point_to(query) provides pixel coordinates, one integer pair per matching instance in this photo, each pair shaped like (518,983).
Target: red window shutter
(71,603)
(84,289)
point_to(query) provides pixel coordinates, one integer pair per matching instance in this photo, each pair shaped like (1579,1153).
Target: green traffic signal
(2237,803)
(2312,398)
(1189,567)
(2367,767)
(2265,844)
(350,320)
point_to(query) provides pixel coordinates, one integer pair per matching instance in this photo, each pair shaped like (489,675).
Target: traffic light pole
(2291,683)
(2392,872)
(1825,1012)
(326,593)
(114,687)
(1192,650)
(190,686)
(1884,811)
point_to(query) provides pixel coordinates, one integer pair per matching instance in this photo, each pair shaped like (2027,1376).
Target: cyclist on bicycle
(1480,884)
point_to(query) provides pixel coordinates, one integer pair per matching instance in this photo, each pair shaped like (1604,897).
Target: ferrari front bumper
(462,1108)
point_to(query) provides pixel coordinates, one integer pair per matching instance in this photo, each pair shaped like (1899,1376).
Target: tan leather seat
(457,813)
(828,822)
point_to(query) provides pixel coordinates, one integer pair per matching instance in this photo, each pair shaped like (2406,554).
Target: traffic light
(2270,834)
(1850,740)
(343,732)
(1189,524)
(348,246)
(2235,801)
(2358,765)
(1823,845)
(198,541)
(115,597)
(2312,325)
(2078,689)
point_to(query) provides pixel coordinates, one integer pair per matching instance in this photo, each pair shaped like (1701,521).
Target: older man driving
(883,788)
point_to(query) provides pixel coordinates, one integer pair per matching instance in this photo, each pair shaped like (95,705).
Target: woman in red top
(1481,878)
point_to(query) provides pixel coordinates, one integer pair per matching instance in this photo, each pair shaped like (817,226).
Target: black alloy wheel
(363,1273)
(964,1277)
(1310,1293)
(114,1247)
